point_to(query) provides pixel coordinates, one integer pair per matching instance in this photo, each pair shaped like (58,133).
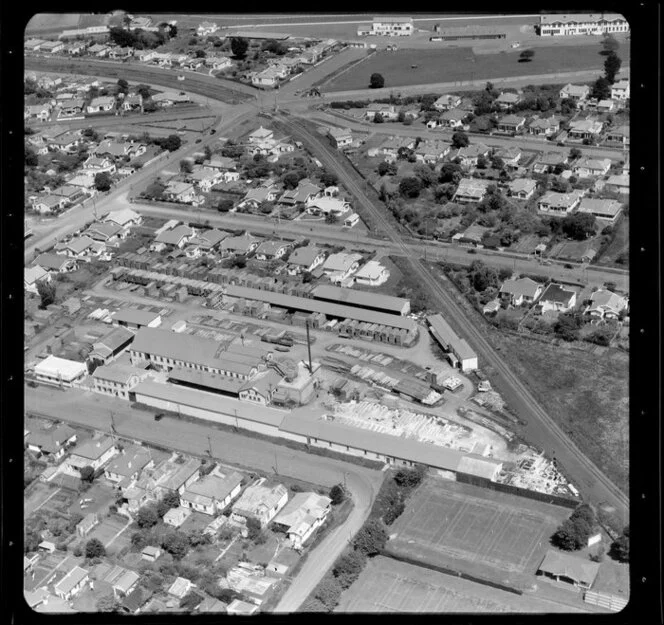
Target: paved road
(541,430)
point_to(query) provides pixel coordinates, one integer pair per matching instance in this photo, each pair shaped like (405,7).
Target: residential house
(260,135)
(578,93)
(52,47)
(71,107)
(618,135)
(69,192)
(51,443)
(558,204)
(176,237)
(102,104)
(99,49)
(620,90)
(327,206)
(471,190)
(272,250)
(208,240)
(87,524)
(42,112)
(259,502)
(124,217)
(510,155)
(220,163)
(606,210)
(125,468)
(107,232)
(95,165)
(305,259)
(470,154)
(123,581)
(606,305)
(113,149)
(511,124)
(618,184)
(372,274)
(587,167)
(522,188)
(32,276)
(521,291)
(391,148)
(85,183)
(431,152)
(557,298)
(387,111)
(242,608)
(447,102)
(82,248)
(507,100)
(212,494)
(340,266)
(304,191)
(549,161)
(453,118)
(72,583)
(67,142)
(94,453)
(544,126)
(340,137)
(205,178)
(132,102)
(218,63)
(606,106)
(49,204)
(180,587)
(182,192)
(56,263)
(240,245)
(267,78)
(585,129)
(206,28)
(121,53)
(302,516)
(170,98)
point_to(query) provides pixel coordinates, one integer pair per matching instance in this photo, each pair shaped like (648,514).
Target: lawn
(456,64)
(619,247)
(387,585)
(486,534)
(587,394)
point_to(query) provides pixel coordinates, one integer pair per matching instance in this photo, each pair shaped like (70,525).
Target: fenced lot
(388,585)
(483,533)
(107,529)
(47,497)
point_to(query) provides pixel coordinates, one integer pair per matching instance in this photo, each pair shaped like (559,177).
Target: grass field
(47,22)
(388,585)
(107,529)
(456,64)
(484,533)
(587,394)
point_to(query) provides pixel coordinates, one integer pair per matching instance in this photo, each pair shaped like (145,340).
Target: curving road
(541,430)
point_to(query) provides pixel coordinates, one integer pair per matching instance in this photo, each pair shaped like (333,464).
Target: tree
(329,179)
(224,206)
(348,568)
(139,540)
(107,603)
(371,538)
(176,543)
(620,547)
(186,166)
(612,66)
(567,327)
(450,172)
(253,528)
(198,537)
(410,187)
(94,548)
(410,477)
(123,86)
(328,592)
(526,56)
(290,180)
(143,91)
(171,143)
(378,118)
(575,153)
(481,276)
(579,226)
(460,139)
(401,117)
(331,218)
(567,536)
(239,46)
(337,494)
(386,167)
(482,162)
(610,44)
(232,149)
(103,181)
(31,157)
(46,291)
(87,474)
(601,89)
(190,601)
(426,174)
(376,81)
(147,517)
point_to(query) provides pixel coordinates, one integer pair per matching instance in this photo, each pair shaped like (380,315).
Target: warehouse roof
(210,401)
(60,367)
(132,315)
(115,373)
(360,298)
(444,333)
(205,378)
(311,305)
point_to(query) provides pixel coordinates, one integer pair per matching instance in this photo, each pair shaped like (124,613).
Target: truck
(280,338)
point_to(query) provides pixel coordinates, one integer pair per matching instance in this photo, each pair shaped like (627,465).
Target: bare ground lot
(484,533)
(586,393)
(452,64)
(388,585)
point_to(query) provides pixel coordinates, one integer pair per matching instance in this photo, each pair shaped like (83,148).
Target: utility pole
(209,447)
(276,466)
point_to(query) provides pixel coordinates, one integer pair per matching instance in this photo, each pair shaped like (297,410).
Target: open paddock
(461,63)
(107,529)
(484,533)
(388,585)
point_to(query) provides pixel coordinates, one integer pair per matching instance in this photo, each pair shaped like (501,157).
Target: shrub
(328,592)
(371,539)
(348,567)
(337,494)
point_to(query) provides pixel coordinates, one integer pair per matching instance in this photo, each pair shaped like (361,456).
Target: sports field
(456,64)
(387,585)
(484,533)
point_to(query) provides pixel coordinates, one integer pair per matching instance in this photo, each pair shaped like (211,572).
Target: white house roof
(341,261)
(60,367)
(371,271)
(256,497)
(34,274)
(69,581)
(522,286)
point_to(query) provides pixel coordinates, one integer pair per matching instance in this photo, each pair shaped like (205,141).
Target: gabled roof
(341,261)
(556,293)
(578,569)
(34,274)
(131,460)
(94,448)
(212,487)
(304,256)
(508,98)
(544,123)
(69,581)
(270,248)
(604,297)
(175,235)
(208,238)
(523,286)
(240,243)
(105,229)
(115,339)
(522,184)
(50,261)
(257,497)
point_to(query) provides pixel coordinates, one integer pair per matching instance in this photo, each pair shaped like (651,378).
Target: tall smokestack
(311,368)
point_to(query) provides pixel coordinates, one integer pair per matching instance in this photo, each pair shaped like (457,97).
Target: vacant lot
(387,585)
(452,64)
(618,248)
(465,528)
(109,530)
(586,393)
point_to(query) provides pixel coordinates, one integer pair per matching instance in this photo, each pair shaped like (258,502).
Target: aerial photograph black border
(645,604)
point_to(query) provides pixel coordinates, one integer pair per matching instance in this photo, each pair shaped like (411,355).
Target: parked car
(159,416)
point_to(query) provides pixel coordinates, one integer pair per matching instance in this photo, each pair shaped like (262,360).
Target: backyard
(457,64)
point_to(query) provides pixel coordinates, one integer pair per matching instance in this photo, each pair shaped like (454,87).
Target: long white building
(390,26)
(582,24)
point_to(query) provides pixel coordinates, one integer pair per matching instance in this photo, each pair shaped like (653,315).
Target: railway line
(540,427)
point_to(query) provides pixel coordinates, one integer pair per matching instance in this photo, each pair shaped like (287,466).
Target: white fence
(605,600)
